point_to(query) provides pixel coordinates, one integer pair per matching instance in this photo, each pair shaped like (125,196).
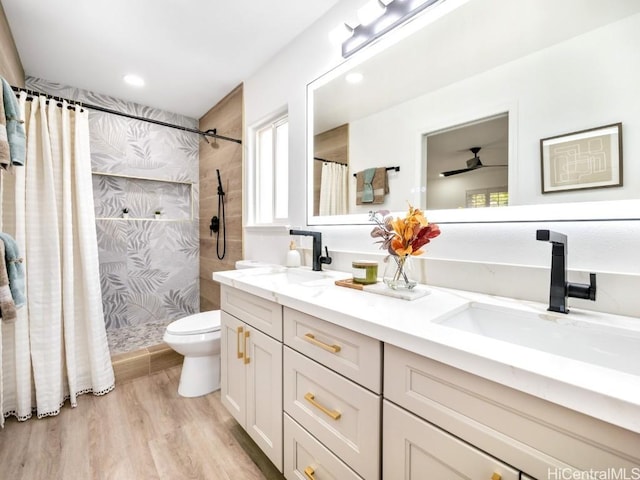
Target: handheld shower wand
(218,222)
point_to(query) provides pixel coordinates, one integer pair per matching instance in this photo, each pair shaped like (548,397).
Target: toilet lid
(202,322)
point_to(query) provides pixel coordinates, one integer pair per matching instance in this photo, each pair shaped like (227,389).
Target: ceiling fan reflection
(472,164)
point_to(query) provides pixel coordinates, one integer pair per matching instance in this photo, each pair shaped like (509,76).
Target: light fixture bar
(396,13)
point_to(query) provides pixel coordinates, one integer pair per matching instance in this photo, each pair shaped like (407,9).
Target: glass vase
(399,272)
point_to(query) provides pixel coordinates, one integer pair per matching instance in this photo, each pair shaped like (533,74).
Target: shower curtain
(57,348)
(333,189)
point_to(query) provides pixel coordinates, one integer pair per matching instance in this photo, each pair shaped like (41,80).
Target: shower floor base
(135,337)
(145,361)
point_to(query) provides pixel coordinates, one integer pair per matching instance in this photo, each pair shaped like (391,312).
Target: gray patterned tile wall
(148,269)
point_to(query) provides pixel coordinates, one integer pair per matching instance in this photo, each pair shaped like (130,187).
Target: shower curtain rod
(329,161)
(209,133)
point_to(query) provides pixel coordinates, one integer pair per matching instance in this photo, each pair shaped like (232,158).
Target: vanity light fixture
(133,80)
(340,33)
(370,11)
(390,14)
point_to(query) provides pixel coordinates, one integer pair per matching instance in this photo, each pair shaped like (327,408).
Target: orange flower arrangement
(402,238)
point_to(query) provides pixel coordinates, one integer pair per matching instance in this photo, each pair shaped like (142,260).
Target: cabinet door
(305,457)
(232,369)
(415,449)
(263,359)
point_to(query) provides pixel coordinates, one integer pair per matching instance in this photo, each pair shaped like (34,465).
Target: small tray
(381,289)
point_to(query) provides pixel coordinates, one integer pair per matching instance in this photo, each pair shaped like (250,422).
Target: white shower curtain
(47,206)
(333,189)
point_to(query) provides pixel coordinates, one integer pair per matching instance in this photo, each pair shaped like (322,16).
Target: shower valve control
(215,225)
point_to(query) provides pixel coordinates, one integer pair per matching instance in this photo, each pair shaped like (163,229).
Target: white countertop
(604,393)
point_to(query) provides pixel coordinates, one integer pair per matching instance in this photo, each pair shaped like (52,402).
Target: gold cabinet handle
(246,357)
(308,472)
(238,334)
(310,397)
(496,476)
(309,337)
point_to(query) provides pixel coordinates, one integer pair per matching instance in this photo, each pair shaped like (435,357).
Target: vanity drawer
(342,415)
(262,314)
(351,354)
(415,449)
(303,453)
(527,432)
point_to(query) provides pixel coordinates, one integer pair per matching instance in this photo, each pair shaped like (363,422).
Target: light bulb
(340,34)
(370,11)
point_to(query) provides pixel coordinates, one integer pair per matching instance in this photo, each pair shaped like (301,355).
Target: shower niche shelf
(142,196)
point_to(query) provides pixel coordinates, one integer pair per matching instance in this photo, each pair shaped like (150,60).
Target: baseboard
(130,365)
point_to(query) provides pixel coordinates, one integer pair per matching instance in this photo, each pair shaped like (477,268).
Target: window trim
(252,182)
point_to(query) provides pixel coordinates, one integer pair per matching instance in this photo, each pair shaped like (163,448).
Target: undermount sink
(282,276)
(599,344)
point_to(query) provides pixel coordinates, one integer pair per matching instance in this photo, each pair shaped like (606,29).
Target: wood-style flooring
(142,430)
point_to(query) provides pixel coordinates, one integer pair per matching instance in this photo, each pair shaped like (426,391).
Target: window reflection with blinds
(487,197)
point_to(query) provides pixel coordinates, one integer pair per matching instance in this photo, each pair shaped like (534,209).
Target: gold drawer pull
(238,334)
(496,476)
(246,357)
(309,473)
(310,397)
(309,337)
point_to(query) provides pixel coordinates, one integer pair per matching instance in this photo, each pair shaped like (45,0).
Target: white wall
(553,91)
(600,246)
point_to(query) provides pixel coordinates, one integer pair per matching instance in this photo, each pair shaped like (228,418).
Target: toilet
(197,337)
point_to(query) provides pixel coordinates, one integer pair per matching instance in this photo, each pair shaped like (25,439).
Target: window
(488,197)
(271,181)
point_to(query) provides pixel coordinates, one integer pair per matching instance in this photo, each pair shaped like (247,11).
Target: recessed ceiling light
(133,80)
(354,77)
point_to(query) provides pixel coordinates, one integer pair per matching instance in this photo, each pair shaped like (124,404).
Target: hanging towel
(14,126)
(378,184)
(7,306)
(13,266)
(367,187)
(5,155)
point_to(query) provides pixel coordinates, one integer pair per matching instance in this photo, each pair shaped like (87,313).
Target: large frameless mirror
(493,75)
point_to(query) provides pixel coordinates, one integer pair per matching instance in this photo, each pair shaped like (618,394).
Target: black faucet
(561,289)
(318,259)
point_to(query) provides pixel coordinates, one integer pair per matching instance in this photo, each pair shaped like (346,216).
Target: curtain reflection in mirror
(333,189)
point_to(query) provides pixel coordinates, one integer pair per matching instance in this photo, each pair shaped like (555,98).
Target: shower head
(215,140)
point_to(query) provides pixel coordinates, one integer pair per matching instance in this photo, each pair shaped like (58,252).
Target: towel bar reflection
(388,169)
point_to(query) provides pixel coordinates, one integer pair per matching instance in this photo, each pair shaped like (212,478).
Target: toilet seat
(203,322)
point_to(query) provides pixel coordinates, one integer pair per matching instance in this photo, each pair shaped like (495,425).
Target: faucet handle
(580,290)
(592,287)
(327,259)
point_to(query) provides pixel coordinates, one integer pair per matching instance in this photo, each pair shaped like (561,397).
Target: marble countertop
(608,394)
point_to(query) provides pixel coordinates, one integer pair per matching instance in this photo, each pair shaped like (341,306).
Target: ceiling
(190,53)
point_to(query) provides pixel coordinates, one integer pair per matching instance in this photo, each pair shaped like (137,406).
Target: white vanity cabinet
(332,400)
(526,432)
(251,368)
(326,402)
